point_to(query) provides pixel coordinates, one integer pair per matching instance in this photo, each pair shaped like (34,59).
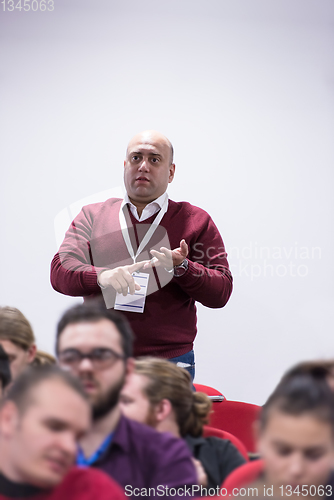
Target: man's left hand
(168,258)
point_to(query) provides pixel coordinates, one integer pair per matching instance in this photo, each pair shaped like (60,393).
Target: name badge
(136,302)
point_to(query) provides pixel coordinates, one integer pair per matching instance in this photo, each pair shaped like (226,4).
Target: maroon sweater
(167,327)
(78,484)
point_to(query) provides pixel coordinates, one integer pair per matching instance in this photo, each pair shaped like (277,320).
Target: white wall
(244,90)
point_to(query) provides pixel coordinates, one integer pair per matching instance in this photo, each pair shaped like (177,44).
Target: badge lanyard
(148,235)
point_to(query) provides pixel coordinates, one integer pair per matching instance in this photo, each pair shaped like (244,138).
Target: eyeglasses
(100,358)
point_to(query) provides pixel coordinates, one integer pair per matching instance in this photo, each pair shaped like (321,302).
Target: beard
(106,402)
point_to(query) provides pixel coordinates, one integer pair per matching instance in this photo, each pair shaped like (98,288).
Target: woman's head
(317,368)
(18,340)
(296,431)
(158,389)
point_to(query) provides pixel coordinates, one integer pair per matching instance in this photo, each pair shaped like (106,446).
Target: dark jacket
(218,456)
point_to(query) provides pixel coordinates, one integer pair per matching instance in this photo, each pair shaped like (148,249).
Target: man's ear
(9,419)
(32,353)
(163,409)
(171,172)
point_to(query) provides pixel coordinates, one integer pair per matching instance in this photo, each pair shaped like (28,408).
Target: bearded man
(95,344)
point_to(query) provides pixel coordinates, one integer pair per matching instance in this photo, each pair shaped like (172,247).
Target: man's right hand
(121,278)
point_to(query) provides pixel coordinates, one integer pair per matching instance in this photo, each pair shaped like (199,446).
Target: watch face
(181,269)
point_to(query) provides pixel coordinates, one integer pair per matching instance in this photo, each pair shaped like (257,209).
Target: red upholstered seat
(234,417)
(244,475)
(211,431)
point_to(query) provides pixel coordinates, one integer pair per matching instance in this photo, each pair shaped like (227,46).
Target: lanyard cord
(148,235)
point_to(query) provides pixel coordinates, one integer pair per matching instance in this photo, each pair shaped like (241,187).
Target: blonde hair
(15,327)
(168,381)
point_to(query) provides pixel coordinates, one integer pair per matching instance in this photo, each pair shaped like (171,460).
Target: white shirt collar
(150,209)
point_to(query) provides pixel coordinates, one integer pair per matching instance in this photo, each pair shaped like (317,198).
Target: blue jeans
(187,359)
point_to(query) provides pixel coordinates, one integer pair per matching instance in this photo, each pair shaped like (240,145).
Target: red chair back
(237,418)
(211,431)
(213,394)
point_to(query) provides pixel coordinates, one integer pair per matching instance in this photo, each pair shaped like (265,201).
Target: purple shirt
(140,457)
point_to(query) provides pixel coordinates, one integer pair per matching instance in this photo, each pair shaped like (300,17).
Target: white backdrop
(244,90)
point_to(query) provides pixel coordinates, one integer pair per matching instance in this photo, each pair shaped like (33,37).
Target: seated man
(41,418)
(95,344)
(159,394)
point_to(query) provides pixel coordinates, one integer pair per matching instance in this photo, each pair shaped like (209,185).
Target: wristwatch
(181,268)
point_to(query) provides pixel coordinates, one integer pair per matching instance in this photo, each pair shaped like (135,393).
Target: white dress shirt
(150,209)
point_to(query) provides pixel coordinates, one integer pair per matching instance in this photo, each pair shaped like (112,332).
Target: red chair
(243,475)
(211,431)
(237,418)
(213,394)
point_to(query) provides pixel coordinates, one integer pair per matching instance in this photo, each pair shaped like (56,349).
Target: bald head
(148,167)
(151,137)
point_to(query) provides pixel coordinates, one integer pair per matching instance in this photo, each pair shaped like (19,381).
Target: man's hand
(168,258)
(121,278)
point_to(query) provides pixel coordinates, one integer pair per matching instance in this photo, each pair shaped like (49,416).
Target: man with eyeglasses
(95,344)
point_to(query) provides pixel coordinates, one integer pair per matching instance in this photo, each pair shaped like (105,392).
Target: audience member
(296,440)
(18,340)
(41,418)
(318,367)
(159,394)
(95,344)
(5,376)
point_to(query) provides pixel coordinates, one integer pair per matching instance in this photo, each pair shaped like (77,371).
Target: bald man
(148,256)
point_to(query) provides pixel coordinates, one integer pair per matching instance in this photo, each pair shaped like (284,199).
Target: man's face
(102,385)
(296,450)
(43,439)
(147,168)
(133,401)
(18,357)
